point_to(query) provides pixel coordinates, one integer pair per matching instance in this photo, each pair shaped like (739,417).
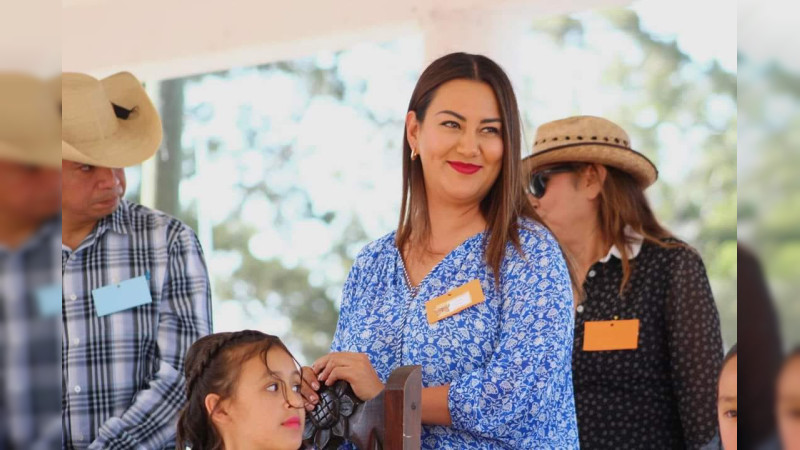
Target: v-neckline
(414,290)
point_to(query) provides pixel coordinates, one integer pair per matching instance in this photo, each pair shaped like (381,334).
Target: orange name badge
(611,335)
(455,301)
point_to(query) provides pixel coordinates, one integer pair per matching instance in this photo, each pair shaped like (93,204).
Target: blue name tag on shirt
(121,296)
(48,299)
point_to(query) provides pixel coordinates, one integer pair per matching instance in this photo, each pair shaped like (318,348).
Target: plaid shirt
(29,342)
(122,374)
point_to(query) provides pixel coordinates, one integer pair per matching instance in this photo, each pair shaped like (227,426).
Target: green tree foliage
(308,301)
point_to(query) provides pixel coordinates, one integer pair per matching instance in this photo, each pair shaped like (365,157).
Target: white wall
(30,36)
(159,39)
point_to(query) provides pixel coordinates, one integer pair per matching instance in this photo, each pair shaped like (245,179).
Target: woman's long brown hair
(623,203)
(506,202)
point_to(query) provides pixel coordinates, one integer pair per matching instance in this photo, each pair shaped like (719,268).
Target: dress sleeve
(695,346)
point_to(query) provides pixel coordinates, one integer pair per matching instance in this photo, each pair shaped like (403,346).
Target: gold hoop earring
(413,154)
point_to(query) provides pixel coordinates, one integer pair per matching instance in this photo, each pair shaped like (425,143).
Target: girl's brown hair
(506,202)
(213,365)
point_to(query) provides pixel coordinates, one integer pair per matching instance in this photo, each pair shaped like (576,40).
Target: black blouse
(663,394)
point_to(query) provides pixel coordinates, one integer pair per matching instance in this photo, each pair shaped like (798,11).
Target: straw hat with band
(589,139)
(109,122)
(30,127)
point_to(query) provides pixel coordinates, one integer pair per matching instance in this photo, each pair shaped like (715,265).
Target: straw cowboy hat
(30,127)
(109,122)
(589,139)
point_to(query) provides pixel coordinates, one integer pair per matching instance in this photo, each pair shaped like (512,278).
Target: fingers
(310,379)
(354,368)
(308,393)
(338,373)
(321,362)
(364,386)
(326,371)
(324,366)
(308,388)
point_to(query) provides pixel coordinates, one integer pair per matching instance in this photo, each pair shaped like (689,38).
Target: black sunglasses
(537,183)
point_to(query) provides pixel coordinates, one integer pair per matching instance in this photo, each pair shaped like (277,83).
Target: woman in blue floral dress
(471,286)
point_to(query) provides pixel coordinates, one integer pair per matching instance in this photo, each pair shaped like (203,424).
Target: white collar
(634,247)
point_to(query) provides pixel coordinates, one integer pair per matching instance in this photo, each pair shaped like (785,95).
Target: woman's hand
(354,368)
(309,388)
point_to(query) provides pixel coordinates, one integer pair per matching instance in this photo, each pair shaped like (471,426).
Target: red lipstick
(465,168)
(292,422)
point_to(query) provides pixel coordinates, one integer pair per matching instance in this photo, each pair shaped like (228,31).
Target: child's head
(243,391)
(726,400)
(788,402)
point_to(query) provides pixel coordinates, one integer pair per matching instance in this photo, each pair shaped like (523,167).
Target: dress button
(73,297)
(76,341)
(77,389)
(579,309)
(592,273)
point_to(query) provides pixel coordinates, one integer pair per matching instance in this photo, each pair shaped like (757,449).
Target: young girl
(788,402)
(243,393)
(727,400)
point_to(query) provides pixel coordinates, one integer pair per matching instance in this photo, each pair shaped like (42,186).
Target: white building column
(492,31)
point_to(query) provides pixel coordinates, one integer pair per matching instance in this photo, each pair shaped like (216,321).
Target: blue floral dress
(508,360)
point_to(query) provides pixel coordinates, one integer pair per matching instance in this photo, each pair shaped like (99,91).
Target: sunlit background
(287,169)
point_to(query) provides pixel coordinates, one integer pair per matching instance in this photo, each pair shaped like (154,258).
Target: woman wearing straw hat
(647,339)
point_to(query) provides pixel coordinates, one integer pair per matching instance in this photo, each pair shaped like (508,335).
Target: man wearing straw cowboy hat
(135,284)
(30,294)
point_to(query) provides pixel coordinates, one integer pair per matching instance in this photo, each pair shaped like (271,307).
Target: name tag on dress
(611,335)
(121,296)
(455,301)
